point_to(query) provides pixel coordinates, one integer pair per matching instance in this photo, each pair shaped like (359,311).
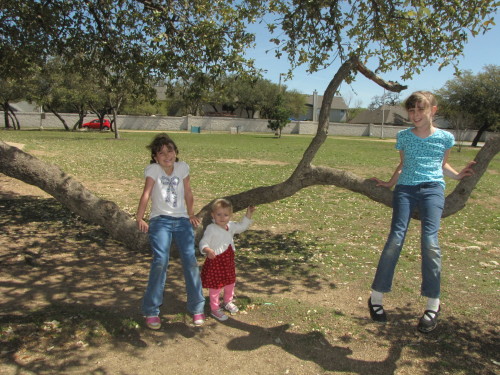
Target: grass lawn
(322,238)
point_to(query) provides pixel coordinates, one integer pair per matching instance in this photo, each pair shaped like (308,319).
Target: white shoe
(232,308)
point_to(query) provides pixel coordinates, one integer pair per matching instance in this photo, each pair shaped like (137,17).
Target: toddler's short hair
(425,97)
(222,203)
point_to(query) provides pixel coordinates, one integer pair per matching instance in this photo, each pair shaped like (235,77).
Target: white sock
(432,304)
(377,298)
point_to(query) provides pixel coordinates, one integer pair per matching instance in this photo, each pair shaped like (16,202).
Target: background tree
(24,45)
(49,87)
(354,108)
(11,90)
(477,95)
(279,116)
(256,96)
(188,96)
(141,106)
(129,43)
(390,98)
(294,102)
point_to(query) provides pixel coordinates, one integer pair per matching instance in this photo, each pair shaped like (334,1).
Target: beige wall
(219,124)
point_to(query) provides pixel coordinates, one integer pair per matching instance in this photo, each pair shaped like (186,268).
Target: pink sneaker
(153,322)
(219,315)
(198,319)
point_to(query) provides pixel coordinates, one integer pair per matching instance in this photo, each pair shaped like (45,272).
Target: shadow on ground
(65,285)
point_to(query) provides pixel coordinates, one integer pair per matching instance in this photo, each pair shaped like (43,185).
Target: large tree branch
(121,226)
(311,176)
(71,194)
(459,196)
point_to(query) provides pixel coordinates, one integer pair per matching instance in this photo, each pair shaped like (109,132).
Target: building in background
(384,115)
(338,110)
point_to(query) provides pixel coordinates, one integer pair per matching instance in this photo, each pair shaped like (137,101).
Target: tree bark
(15,120)
(72,194)
(480,132)
(66,127)
(6,114)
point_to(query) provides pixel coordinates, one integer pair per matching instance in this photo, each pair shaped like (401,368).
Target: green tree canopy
(388,35)
(279,115)
(476,95)
(129,44)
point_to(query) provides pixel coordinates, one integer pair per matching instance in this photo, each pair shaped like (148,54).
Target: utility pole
(383,116)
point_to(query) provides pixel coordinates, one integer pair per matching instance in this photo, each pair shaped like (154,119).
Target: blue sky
(479,51)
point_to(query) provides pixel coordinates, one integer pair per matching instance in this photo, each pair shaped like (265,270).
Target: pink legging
(214,296)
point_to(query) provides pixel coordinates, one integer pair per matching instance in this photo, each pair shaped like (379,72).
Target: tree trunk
(6,114)
(81,116)
(66,127)
(480,132)
(114,109)
(72,194)
(15,124)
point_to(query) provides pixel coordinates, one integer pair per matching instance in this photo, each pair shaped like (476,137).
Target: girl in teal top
(419,181)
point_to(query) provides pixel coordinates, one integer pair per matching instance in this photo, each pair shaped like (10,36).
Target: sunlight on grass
(338,231)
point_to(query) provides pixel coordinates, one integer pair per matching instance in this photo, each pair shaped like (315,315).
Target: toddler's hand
(210,253)
(250,210)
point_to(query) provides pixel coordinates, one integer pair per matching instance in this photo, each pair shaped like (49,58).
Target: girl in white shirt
(172,217)
(217,244)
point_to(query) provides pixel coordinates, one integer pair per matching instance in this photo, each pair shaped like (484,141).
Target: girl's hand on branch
(467,171)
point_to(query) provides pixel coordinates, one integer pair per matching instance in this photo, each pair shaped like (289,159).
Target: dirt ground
(70,296)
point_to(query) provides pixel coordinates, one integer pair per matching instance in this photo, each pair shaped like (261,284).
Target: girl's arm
(450,172)
(395,175)
(250,211)
(143,203)
(188,197)
(205,242)
(244,224)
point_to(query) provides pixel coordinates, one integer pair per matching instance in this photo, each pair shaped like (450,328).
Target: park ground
(70,296)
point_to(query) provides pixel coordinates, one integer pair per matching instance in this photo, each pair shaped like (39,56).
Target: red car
(95,124)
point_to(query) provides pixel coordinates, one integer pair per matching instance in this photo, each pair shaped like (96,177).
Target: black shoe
(426,326)
(374,309)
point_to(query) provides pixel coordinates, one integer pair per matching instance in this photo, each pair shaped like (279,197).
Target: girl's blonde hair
(222,203)
(425,97)
(157,144)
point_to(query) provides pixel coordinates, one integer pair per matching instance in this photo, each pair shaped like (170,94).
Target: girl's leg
(431,204)
(184,238)
(160,238)
(404,203)
(214,298)
(228,299)
(229,293)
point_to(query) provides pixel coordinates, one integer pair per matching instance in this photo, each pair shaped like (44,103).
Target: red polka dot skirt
(220,271)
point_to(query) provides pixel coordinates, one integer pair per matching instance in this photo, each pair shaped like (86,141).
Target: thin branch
(388,85)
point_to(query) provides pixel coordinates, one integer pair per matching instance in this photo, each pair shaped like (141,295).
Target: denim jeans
(429,199)
(162,229)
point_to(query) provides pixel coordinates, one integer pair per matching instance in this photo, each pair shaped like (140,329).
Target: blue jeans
(429,199)
(161,231)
